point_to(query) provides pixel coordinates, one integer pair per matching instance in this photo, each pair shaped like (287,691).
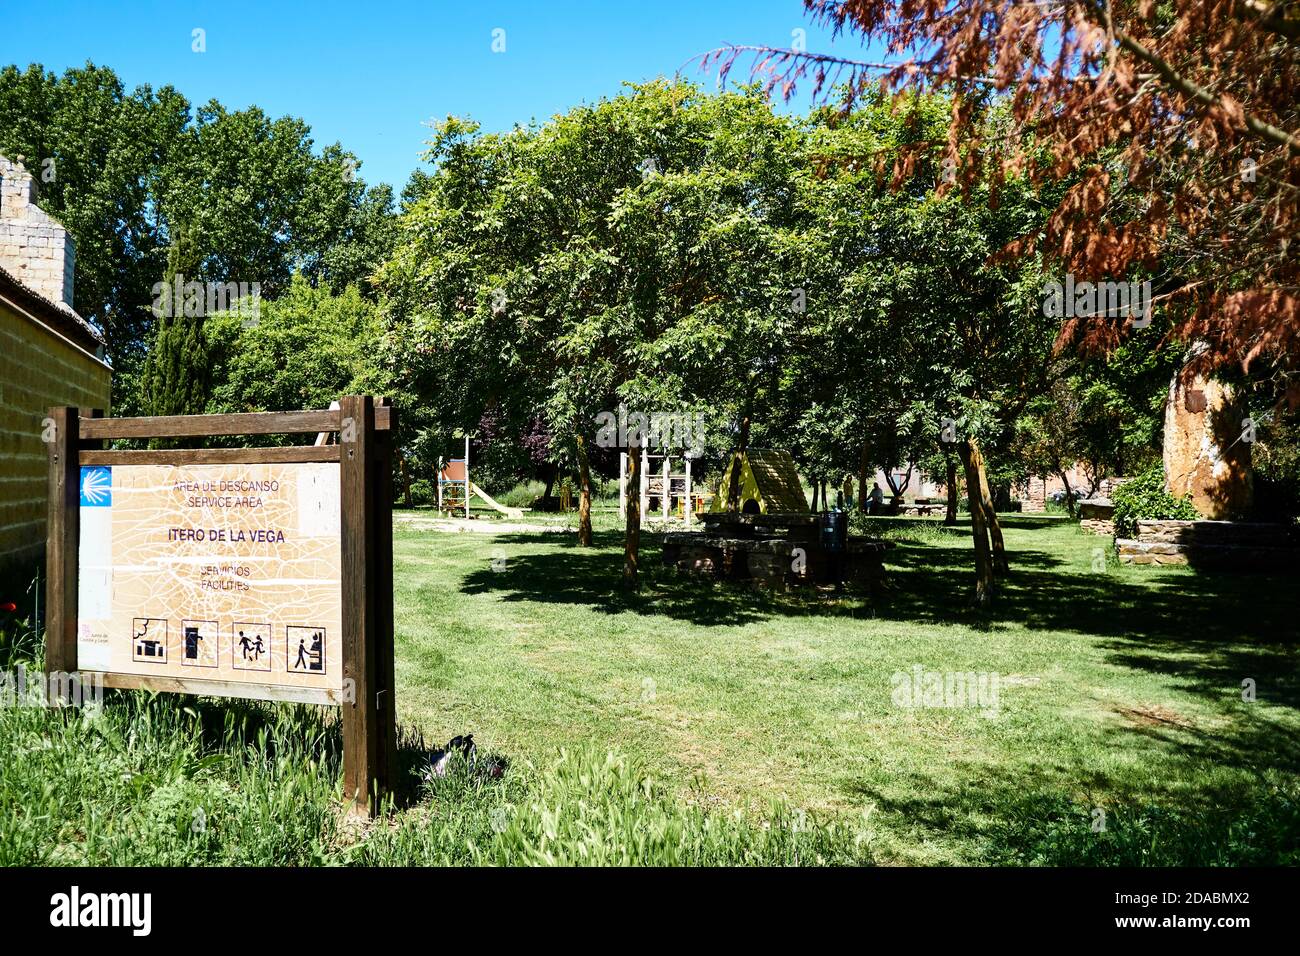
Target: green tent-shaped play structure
(769,484)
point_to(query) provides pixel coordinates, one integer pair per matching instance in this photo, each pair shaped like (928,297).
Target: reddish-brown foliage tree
(1174,124)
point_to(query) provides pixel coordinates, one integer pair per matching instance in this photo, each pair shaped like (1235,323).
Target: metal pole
(663,500)
(644,489)
(690,502)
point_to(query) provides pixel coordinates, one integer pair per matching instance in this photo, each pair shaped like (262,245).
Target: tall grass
(160,780)
(150,780)
(592,808)
(598,809)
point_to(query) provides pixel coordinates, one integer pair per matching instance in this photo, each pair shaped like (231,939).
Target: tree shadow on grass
(1204,633)
(1041,806)
(592,577)
(1045,813)
(1208,631)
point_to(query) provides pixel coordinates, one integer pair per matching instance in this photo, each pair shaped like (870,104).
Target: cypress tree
(177,380)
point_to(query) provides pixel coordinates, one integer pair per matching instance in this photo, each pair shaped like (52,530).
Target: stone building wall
(34,247)
(37,369)
(49,356)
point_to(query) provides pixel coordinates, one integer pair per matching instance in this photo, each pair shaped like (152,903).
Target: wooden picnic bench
(922,509)
(775,551)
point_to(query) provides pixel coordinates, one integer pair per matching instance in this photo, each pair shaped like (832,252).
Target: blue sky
(369,75)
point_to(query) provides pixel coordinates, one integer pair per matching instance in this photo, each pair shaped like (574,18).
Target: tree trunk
(1069,494)
(907,480)
(584,502)
(864,475)
(1094,483)
(406,480)
(815,488)
(984,582)
(550,483)
(632,538)
(733,489)
(985,498)
(950,518)
(826,501)
(995,533)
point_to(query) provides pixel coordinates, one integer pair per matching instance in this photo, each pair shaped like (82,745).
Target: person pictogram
(250,647)
(306,650)
(250,650)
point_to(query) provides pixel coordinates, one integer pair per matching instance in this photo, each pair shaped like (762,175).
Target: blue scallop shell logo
(96,486)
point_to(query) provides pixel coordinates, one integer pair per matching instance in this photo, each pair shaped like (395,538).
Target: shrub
(522,494)
(1145,498)
(423,492)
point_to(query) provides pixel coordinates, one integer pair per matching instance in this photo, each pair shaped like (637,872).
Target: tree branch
(1202,95)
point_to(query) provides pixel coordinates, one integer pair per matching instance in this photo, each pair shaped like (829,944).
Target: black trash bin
(835,531)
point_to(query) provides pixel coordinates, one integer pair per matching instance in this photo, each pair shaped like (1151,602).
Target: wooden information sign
(232,572)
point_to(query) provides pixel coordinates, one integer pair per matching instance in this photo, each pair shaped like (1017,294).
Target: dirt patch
(1019,680)
(461,525)
(1154,716)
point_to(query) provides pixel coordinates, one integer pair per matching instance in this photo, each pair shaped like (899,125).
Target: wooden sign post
(263,573)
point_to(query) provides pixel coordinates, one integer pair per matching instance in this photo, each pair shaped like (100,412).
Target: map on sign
(212,572)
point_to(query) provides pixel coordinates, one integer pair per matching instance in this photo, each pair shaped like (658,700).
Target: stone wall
(1106,489)
(1101,526)
(1034,495)
(37,369)
(1034,492)
(1097,516)
(1224,545)
(34,246)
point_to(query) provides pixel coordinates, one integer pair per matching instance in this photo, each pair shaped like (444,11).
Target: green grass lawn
(1121,688)
(710,724)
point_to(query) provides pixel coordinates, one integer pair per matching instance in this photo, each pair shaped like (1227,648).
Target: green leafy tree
(177,371)
(131,173)
(97,153)
(304,350)
(625,252)
(926,344)
(1049,436)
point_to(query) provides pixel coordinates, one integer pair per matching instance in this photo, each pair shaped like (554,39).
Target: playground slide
(508,512)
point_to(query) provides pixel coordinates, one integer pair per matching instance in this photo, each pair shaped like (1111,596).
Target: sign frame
(363,426)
